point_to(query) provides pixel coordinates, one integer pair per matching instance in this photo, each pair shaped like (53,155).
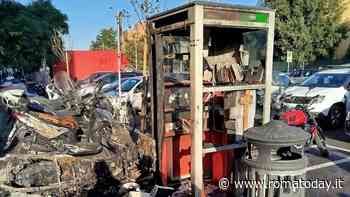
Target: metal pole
(145,53)
(119,18)
(136,57)
(67,63)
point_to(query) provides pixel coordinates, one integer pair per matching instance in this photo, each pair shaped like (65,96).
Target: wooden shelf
(233,88)
(179,109)
(183,84)
(173,55)
(214,149)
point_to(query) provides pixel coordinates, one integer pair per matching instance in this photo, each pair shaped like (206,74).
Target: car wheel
(336,116)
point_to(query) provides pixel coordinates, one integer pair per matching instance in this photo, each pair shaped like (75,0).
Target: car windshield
(129,84)
(110,78)
(301,73)
(326,80)
(95,76)
(280,80)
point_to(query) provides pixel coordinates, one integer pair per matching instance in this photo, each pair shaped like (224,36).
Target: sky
(87,17)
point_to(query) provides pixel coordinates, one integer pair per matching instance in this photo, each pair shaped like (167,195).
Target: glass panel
(176,57)
(176,60)
(254,43)
(234,56)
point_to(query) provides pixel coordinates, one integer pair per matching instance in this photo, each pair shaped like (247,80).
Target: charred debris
(70,146)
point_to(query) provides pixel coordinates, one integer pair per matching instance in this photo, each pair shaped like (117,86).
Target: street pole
(289,59)
(136,57)
(145,54)
(119,19)
(67,62)
(145,48)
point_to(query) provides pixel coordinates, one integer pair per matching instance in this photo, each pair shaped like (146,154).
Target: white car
(328,85)
(132,91)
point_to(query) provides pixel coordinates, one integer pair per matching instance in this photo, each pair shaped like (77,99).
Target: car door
(136,96)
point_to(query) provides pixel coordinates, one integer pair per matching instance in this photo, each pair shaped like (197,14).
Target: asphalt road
(335,169)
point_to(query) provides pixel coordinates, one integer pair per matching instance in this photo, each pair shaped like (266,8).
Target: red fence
(84,63)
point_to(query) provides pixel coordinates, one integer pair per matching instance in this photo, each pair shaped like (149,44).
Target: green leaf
(311,29)
(26,32)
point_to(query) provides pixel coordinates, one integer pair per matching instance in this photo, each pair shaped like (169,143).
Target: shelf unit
(195,17)
(230,88)
(214,149)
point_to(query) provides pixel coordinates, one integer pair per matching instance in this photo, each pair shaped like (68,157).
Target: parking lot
(336,167)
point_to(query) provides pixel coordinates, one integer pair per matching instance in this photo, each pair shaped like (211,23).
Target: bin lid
(276,133)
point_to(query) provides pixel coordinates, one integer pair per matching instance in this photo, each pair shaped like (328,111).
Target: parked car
(131,90)
(280,81)
(94,77)
(328,85)
(131,74)
(10,81)
(110,79)
(112,82)
(88,85)
(299,76)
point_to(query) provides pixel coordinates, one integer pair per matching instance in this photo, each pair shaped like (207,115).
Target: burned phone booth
(210,70)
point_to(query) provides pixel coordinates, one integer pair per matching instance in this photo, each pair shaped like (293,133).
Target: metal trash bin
(275,163)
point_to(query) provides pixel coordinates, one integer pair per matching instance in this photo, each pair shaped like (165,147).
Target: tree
(106,39)
(312,29)
(26,33)
(133,42)
(134,45)
(143,9)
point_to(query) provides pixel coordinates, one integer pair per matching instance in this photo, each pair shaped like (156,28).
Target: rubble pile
(70,146)
(47,175)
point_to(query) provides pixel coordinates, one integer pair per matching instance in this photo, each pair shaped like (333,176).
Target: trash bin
(275,164)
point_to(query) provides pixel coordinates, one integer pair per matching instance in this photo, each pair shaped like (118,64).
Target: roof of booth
(212,4)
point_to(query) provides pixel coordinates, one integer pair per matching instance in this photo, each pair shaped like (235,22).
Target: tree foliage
(133,42)
(106,39)
(144,8)
(311,29)
(131,47)
(26,31)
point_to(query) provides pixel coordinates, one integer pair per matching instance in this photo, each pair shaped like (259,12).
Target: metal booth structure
(210,70)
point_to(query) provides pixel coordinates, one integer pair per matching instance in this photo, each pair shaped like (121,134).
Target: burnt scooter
(43,132)
(302,117)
